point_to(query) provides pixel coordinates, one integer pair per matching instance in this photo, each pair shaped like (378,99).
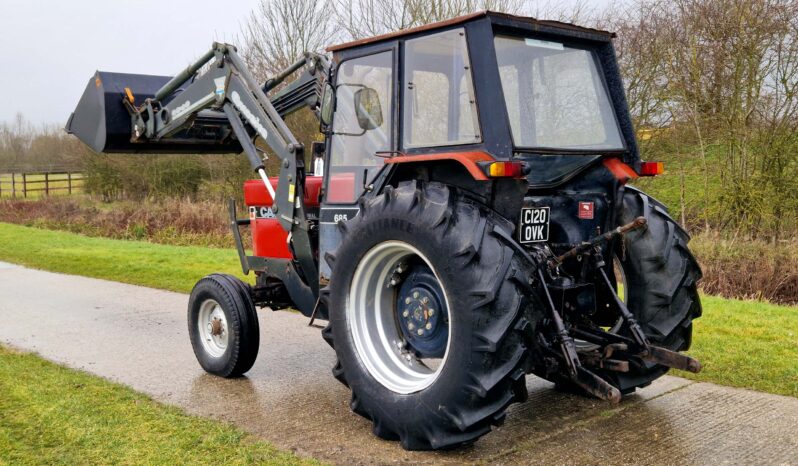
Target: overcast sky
(52,47)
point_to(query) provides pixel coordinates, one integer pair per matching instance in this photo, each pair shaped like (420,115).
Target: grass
(747,344)
(58,184)
(174,268)
(53,415)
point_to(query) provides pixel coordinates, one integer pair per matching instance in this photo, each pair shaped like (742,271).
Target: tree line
(25,147)
(711,85)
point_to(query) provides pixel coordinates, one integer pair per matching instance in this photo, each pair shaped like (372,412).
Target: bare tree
(365,18)
(278,32)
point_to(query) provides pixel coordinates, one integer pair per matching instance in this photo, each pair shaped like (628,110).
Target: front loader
(468,221)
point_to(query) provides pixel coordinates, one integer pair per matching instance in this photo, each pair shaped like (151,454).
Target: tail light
(652,168)
(505,169)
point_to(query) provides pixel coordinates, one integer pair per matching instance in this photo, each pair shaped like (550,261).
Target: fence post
(24,185)
(69,182)
(46,184)
(13,185)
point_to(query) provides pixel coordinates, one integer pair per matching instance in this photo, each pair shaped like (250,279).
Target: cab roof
(548,26)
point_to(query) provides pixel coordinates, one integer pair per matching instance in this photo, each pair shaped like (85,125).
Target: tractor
(467,220)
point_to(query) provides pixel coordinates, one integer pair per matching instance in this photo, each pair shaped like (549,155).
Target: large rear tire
(479,280)
(661,276)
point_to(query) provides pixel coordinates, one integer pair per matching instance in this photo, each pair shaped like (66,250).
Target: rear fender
(468,160)
(503,195)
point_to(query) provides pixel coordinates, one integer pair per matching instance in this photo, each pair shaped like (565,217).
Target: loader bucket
(103,123)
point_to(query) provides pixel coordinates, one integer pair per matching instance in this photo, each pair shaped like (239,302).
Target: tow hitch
(614,352)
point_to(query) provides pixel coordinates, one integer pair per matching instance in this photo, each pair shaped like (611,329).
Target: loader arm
(228,87)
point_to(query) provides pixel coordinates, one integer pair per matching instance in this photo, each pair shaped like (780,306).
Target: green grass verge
(747,344)
(744,344)
(174,268)
(53,415)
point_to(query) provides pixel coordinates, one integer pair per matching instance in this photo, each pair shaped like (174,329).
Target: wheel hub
(422,313)
(215,327)
(212,326)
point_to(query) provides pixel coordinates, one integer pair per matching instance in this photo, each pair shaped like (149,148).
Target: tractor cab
(458,96)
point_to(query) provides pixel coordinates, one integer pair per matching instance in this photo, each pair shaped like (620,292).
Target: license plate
(534,225)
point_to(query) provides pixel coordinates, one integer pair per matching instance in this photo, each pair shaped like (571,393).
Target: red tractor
(468,219)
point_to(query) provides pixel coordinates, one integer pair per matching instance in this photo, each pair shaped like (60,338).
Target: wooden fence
(35,184)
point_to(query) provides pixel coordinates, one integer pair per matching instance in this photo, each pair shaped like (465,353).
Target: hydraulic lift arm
(227,86)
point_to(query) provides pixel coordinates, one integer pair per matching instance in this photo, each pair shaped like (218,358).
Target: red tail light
(651,168)
(505,170)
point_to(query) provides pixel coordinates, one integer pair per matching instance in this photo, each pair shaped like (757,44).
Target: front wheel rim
(373,321)
(213,330)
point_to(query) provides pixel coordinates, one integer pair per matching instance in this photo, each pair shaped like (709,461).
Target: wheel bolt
(406,313)
(407,300)
(410,326)
(415,295)
(431,311)
(420,331)
(425,300)
(428,326)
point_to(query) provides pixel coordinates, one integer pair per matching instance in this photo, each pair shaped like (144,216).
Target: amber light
(505,169)
(130,97)
(652,168)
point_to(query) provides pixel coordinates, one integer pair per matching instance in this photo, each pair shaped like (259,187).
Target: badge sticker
(586,210)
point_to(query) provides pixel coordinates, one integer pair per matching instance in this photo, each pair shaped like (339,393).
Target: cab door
(362,127)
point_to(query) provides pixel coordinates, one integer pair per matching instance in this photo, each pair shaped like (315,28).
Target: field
(58,184)
(53,415)
(746,344)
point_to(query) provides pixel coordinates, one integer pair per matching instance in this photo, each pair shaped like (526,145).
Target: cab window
(439,107)
(362,124)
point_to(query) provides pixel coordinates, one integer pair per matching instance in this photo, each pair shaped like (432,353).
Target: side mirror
(317,148)
(368,109)
(327,105)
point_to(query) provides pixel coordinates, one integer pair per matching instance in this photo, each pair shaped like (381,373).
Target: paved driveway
(137,336)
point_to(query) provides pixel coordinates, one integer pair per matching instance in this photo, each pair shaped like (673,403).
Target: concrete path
(137,336)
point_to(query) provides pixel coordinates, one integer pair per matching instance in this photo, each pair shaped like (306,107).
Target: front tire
(223,325)
(473,273)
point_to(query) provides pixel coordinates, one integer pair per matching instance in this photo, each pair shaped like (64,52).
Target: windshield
(555,96)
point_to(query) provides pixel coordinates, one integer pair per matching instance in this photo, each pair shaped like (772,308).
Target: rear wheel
(429,308)
(660,286)
(223,325)
(655,276)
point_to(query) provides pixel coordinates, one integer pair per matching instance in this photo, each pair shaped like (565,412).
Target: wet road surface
(138,336)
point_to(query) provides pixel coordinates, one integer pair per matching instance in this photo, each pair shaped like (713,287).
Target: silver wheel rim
(213,330)
(623,290)
(371,316)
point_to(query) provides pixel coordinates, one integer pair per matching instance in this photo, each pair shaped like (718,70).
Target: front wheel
(429,309)
(223,325)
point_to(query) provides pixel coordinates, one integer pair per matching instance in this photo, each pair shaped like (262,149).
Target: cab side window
(361,124)
(439,106)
